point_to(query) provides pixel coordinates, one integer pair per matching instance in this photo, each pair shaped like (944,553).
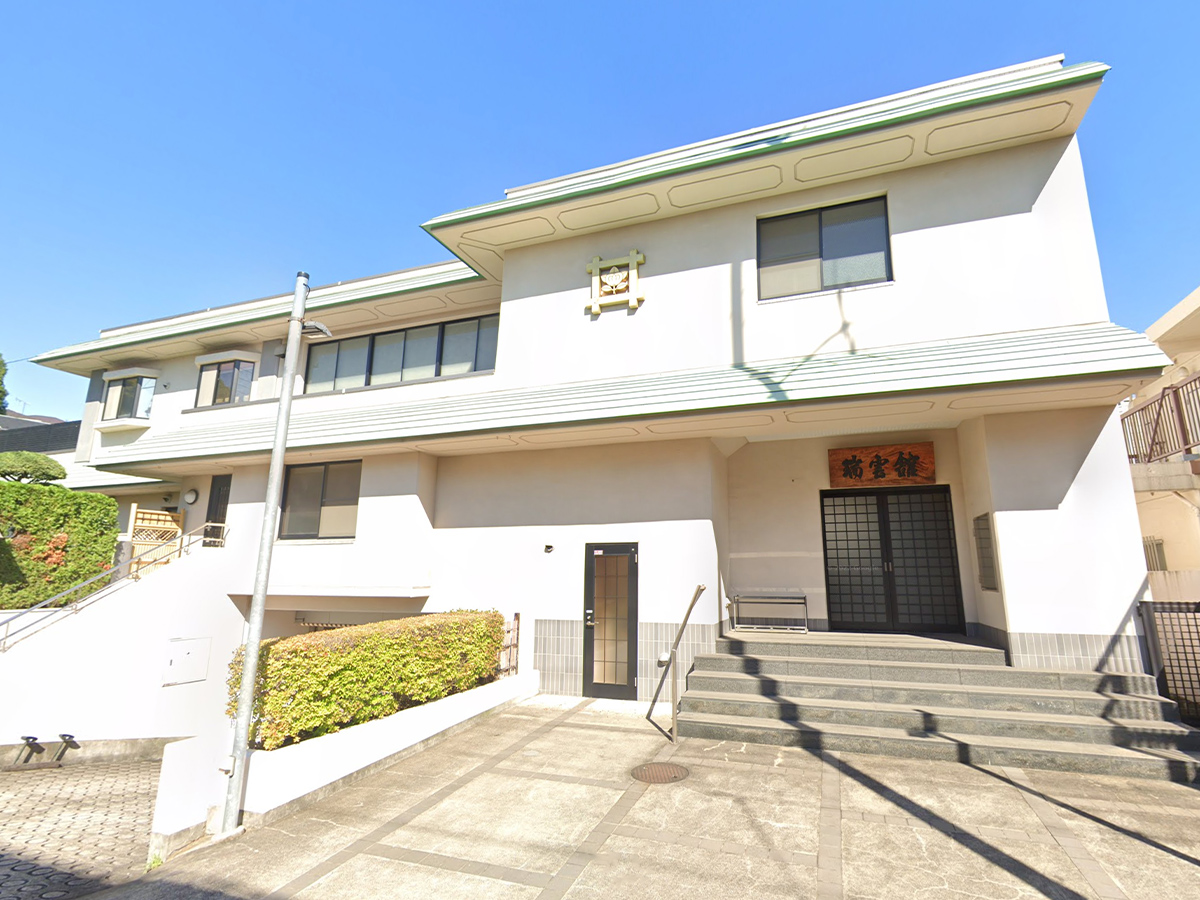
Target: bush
(314,684)
(27,466)
(56,539)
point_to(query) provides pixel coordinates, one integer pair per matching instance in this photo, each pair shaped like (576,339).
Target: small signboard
(886,466)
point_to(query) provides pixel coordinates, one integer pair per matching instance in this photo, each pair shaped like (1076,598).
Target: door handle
(589,618)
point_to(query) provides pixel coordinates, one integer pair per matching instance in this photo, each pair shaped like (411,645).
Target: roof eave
(1067,77)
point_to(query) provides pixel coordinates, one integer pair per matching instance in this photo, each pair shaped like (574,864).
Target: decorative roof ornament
(615,282)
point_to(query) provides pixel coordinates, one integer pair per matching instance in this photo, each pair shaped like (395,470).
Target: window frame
(819,211)
(317,536)
(140,386)
(370,357)
(238,364)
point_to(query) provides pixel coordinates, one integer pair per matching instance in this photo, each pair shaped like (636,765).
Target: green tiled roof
(1031,357)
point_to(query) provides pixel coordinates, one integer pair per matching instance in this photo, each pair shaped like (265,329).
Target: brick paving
(69,832)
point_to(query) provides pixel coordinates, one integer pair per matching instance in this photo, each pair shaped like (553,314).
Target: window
(985,547)
(823,249)
(431,351)
(321,500)
(128,398)
(225,382)
(1156,557)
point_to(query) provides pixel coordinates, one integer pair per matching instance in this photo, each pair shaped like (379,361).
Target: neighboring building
(10,421)
(1162,437)
(863,354)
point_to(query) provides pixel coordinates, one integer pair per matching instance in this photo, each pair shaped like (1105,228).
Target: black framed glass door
(891,563)
(610,621)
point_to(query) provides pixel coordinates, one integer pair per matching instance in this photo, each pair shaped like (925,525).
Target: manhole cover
(660,773)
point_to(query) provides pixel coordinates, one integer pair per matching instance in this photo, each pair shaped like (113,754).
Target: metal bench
(798,598)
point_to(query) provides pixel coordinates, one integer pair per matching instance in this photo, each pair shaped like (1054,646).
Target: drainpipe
(262,571)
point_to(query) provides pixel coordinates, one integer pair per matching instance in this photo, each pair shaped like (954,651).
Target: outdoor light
(312,329)
(191,496)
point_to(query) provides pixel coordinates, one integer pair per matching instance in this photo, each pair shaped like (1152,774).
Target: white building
(636,379)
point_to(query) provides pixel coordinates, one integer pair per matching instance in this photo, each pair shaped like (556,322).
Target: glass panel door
(610,621)
(890,560)
(924,561)
(855,576)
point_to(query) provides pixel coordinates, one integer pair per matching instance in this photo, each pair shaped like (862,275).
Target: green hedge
(314,684)
(59,538)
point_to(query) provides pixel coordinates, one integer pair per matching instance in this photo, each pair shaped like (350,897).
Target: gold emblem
(615,281)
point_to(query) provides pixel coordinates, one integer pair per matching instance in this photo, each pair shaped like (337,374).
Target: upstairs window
(824,249)
(128,398)
(431,351)
(225,382)
(321,501)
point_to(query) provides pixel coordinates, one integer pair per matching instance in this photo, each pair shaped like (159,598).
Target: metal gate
(891,563)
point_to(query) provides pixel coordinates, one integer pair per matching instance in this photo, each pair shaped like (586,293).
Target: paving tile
(367,876)
(515,822)
(71,831)
(887,863)
(635,870)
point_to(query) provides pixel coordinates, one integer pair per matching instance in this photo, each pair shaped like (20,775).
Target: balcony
(1166,426)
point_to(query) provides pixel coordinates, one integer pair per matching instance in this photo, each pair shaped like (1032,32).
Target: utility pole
(262,571)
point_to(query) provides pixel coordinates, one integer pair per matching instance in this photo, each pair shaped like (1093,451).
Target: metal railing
(1167,425)
(669,663)
(110,578)
(1172,632)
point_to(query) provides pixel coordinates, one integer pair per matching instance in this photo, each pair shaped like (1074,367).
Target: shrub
(57,538)
(314,684)
(27,466)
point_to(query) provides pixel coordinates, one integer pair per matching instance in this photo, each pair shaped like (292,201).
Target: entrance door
(890,560)
(610,621)
(218,508)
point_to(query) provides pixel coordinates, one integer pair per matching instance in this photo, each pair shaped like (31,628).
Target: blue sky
(162,157)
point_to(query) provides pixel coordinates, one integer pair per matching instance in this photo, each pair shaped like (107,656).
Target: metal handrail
(668,662)
(1167,424)
(185,543)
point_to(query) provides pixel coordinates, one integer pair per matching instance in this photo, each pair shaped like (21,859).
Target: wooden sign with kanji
(885,466)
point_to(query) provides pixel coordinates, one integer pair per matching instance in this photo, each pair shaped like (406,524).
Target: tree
(3,392)
(32,468)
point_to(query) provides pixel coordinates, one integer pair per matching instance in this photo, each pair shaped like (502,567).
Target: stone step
(880,648)
(957,720)
(975,749)
(1053,701)
(936,673)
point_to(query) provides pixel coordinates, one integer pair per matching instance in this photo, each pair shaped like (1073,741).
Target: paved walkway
(537,802)
(72,831)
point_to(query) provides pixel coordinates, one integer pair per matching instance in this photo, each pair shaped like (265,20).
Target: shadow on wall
(659,481)
(1035,457)
(969,190)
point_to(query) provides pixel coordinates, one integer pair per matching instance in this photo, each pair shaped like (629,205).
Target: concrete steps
(924,697)
(916,693)
(1097,759)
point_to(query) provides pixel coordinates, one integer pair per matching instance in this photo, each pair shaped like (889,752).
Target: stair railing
(111,578)
(669,663)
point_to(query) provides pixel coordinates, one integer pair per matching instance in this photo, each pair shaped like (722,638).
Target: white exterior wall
(994,243)
(99,673)
(497,513)
(1067,533)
